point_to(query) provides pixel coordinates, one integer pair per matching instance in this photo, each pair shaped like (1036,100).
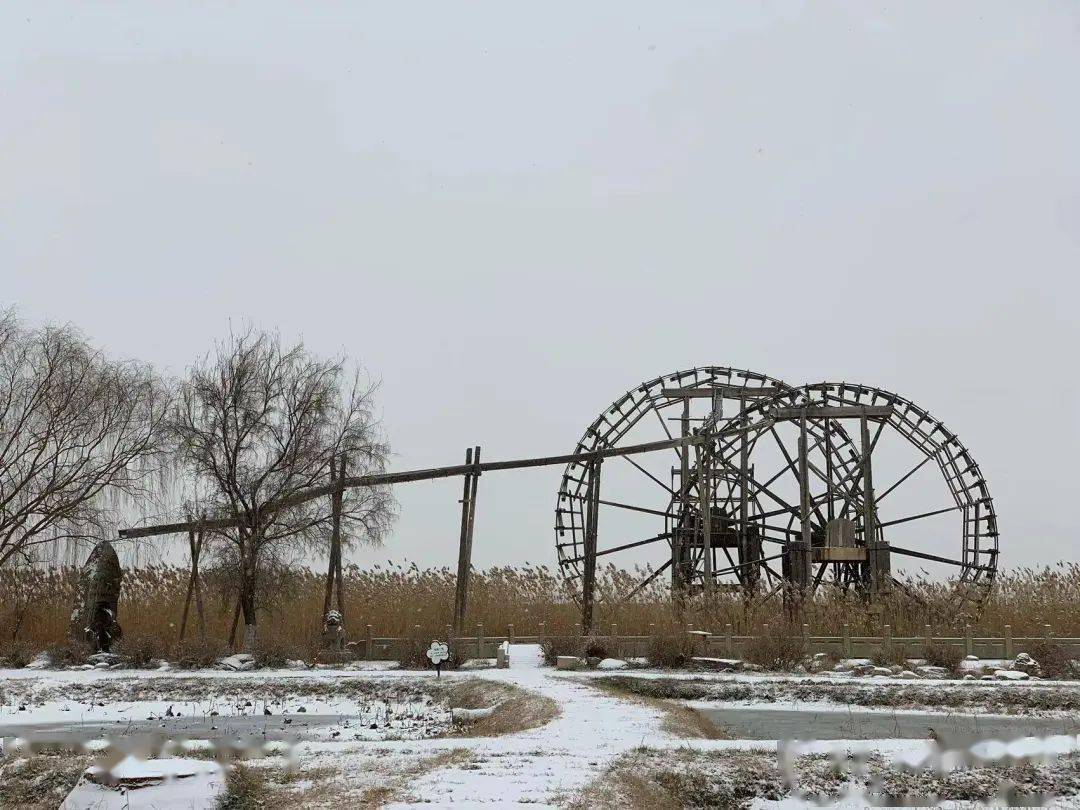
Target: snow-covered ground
(358,725)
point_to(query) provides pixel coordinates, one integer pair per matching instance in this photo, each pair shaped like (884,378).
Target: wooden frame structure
(717,500)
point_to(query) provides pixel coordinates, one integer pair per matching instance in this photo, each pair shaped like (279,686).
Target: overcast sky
(512,213)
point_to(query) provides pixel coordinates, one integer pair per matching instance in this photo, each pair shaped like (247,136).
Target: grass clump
(245,789)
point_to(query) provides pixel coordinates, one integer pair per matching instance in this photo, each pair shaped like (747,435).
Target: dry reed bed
(35,605)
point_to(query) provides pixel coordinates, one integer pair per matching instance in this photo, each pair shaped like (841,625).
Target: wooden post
(729,644)
(751,573)
(968,644)
(480,640)
(1047,632)
(799,552)
(705,510)
(927,641)
(886,639)
(195,542)
(543,631)
(510,633)
(1008,641)
(588,579)
(369,646)
(806,638)
(877,552)
(464,559)
(678,583)
(847,640)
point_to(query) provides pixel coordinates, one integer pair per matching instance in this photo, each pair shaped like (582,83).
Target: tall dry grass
(35,606)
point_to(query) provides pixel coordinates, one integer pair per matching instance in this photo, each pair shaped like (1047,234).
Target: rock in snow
(1011,675)
(717,664)
(568,662)
(612,663)
(241,662)
(472,715)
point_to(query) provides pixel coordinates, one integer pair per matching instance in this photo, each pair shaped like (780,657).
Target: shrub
(777,651)
(1053,660)
(142,650)
(68,652)
(199,653)
(893,656)
(554,646)
(16,654)
(944,655)
(273,651)
(600,646)
(245,789)
(668,650)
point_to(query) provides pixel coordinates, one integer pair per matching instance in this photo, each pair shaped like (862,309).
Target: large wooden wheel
(776,496)
(653,504)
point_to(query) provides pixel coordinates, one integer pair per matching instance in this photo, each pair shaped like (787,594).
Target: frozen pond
(821,723)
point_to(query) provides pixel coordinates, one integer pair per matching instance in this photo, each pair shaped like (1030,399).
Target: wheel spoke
(645,582)
(633,508)
(905,477)
(909,518)
(650,475)
(922,555)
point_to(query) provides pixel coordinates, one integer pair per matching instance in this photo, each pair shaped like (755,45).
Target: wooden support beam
(678,584)
(799,551)
(877,551)
(730,391)
(464,561)
(588,577)
(472,526)
(751,575)
(833,412)
(705,507)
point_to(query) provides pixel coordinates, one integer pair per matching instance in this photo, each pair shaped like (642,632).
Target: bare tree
(77,433)
(257,423)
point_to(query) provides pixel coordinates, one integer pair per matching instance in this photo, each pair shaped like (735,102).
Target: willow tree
(80,433)
(258,423)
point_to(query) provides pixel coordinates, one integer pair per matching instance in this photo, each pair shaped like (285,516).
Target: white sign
(438,652)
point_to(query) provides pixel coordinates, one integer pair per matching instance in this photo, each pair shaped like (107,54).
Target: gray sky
(513,213)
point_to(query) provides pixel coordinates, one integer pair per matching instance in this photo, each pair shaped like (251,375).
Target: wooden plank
(834,412)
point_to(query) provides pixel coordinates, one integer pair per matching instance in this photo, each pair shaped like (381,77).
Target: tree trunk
(247,606)
(247,596)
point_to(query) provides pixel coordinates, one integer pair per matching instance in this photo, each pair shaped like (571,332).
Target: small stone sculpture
(94,616)
(333,632)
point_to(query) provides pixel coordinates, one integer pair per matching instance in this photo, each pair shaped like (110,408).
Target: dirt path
(546,764)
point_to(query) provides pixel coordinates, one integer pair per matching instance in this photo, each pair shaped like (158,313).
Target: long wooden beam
(405,476)
(730,391)
(834,412)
